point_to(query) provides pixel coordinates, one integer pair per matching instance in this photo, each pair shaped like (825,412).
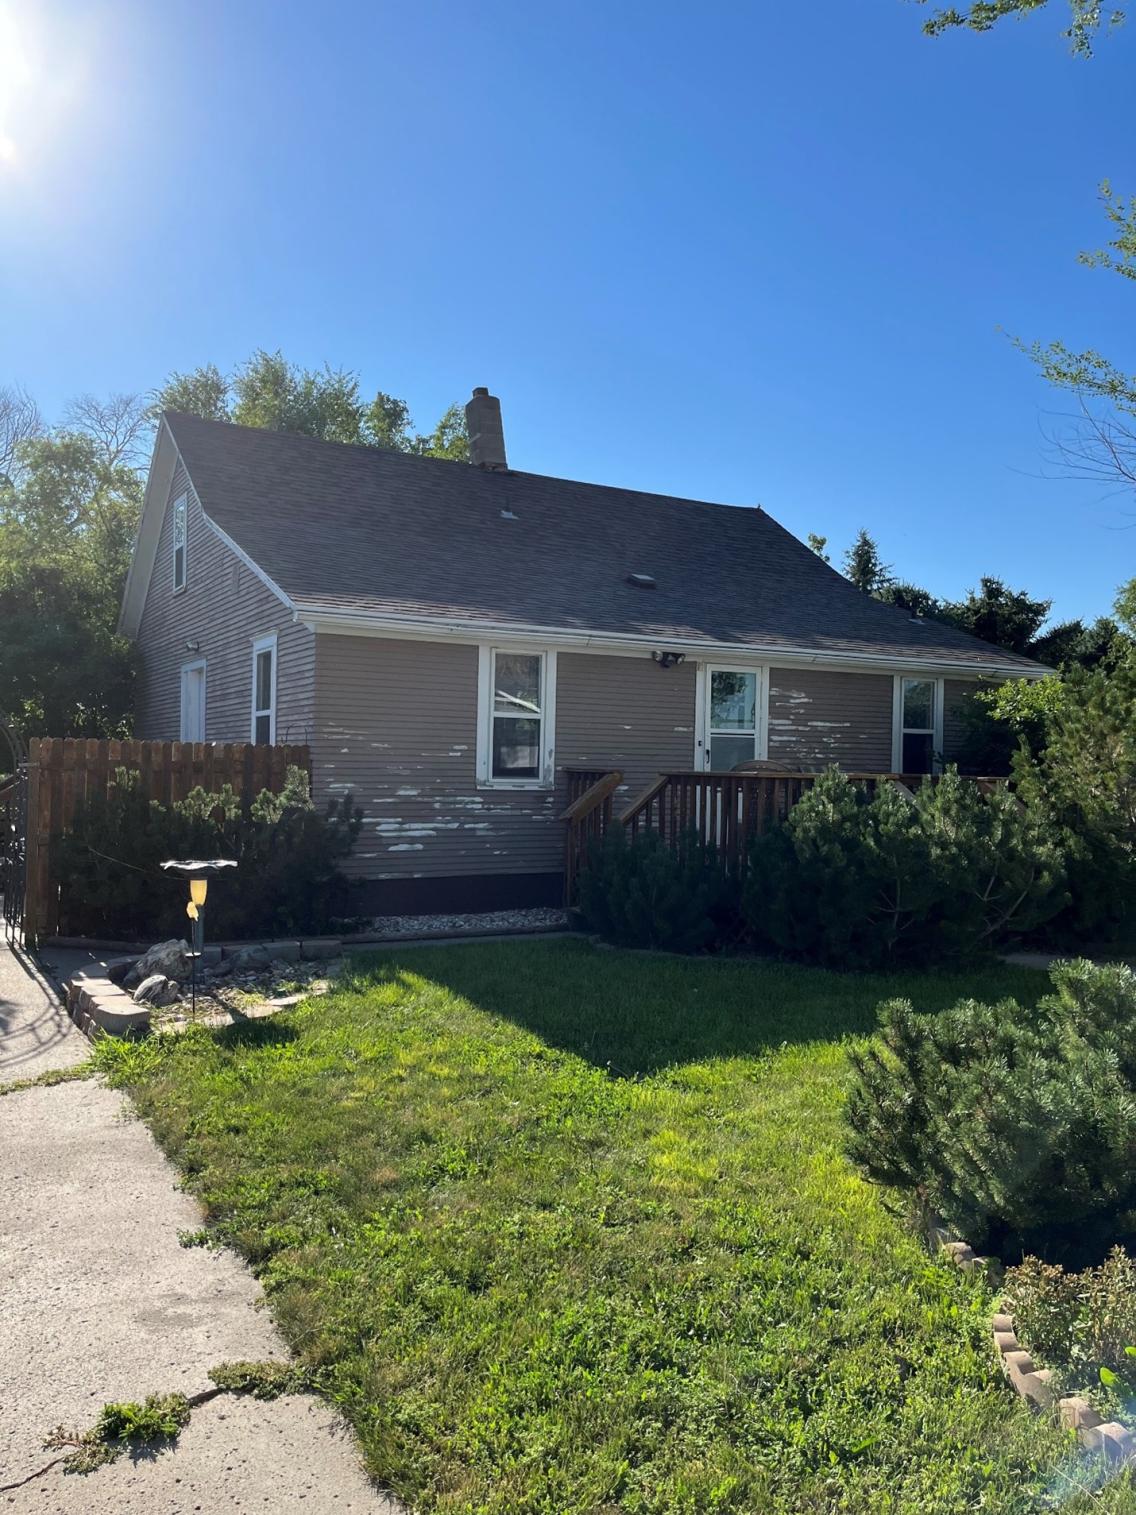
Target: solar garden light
(198,874)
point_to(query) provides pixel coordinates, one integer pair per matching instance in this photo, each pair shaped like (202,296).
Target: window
(735,717)
(180,512)
(515,718)
(918,735)
(193,702)
(264,689)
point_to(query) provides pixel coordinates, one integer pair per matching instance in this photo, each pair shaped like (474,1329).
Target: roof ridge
(372,449)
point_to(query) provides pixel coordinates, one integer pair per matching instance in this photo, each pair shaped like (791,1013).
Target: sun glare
(17,79)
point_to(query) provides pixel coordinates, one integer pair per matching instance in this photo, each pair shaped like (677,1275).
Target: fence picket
(64,774)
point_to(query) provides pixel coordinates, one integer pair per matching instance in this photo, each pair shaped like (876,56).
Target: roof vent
(641,580)
(509,515)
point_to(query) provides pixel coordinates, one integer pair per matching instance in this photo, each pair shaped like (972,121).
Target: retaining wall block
(1116,1441)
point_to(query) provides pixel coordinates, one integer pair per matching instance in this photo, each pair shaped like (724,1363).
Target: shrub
(1017,1125)
(860,882)
(1082,1325)
(1084,779)
(646,894)
(288,855)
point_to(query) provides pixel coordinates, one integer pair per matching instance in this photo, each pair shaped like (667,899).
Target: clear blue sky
(744,252)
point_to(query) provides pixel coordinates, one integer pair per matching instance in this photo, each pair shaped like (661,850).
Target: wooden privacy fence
(726,810)
(64,773)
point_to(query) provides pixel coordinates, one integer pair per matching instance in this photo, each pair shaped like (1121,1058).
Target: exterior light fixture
(193,647)
(198,874)
(669,659)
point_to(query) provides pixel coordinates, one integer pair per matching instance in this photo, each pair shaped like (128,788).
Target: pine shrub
(287,881)
(1016,1124)
(644,893)
(854,881)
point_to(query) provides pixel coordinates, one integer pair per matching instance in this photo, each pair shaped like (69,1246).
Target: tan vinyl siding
(819,718)
(625,713)
(397,726)
(224,606)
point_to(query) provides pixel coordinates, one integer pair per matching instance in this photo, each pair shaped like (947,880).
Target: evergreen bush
(1016,1124)
(287,881)
(1084,779)
(855,881)
(647,894)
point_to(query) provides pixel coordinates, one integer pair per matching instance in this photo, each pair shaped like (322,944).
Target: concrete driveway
(99,1301)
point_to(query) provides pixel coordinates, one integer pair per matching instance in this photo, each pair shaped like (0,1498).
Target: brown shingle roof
(367,531)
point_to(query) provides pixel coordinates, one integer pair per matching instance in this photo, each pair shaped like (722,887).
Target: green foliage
(203,392)
(49,1077)
(909,597)
(1084,779)
(864,567)
(1007,618)
(158,1418)
(153,1423)
(858,882)
(1081,1325)
(1016,1124)
(269,392)
(123,1062)
(67,522)
(819,545)
(982,15)
(287,881)
(646,894)
(260,1380)
(567,1230)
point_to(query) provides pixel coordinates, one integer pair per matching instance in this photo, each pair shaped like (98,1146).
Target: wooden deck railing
(588,817)
(726,810)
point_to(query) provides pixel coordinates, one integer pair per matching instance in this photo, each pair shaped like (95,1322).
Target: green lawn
(569,1230)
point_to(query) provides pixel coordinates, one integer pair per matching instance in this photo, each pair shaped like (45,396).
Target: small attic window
(641,580)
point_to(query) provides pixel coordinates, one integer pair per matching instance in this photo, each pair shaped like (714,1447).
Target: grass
(50,1077)
(570,1232)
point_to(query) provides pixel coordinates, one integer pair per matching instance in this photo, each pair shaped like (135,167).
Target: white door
(193,703)
(735,717)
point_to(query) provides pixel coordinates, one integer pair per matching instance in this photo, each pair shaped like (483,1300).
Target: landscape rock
(117,970)
(247,958)
(170,959)
(151,990)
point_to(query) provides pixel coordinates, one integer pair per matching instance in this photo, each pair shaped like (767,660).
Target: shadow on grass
(636,1013)
(265,1031)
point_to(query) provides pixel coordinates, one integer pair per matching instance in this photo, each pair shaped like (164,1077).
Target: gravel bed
(491,920)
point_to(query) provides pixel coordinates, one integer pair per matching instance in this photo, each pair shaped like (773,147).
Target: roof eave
(163,464)
(330,618)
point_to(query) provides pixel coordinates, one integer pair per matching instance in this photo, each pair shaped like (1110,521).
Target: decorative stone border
(96,1005)
(1095,1434)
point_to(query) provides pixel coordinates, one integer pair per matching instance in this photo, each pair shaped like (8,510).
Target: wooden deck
(725,810)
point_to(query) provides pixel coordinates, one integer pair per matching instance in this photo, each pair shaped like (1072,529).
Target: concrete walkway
(98,1302)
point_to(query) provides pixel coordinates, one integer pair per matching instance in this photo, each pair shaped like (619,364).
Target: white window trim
(702,708)
(897,727)
(263,644)
(180,504)
(188,668)
(485,779)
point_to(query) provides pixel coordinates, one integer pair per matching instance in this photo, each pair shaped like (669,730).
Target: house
(451,638)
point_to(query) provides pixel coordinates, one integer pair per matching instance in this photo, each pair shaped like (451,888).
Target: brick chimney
(486,434)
